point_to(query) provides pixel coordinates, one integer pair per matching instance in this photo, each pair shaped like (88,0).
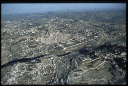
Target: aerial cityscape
(64,48)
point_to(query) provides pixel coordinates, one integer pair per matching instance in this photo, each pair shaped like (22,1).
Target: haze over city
(14,8)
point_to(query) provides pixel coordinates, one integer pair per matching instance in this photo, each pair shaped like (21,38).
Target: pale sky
(12,8)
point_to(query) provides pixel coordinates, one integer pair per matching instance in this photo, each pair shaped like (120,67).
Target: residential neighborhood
(58,50)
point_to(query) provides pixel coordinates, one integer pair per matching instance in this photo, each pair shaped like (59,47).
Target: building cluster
(45,32)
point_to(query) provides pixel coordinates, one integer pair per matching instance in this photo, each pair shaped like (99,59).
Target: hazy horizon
(8,9)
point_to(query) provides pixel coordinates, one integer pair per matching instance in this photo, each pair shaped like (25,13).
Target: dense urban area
(64,48)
